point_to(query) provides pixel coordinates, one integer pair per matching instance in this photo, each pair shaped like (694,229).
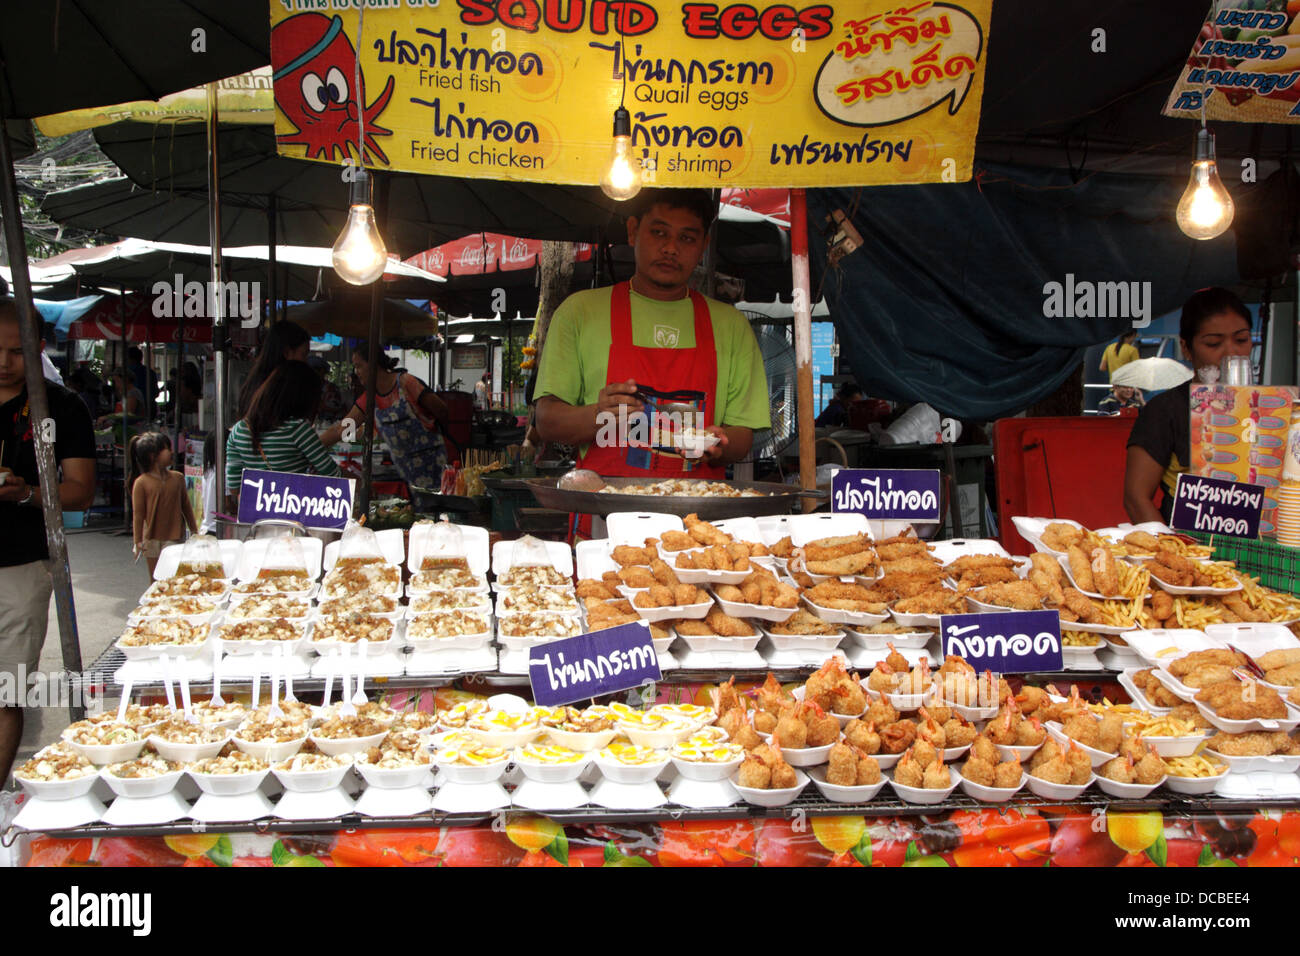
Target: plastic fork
(167,681)
(126,700)
(275,710)
(359,698)
(190,717)
(346,707)
(329,680)
(288,678)
(216,675)
(257,678)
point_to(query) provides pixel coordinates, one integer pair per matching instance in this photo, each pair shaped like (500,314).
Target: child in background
(209,525)
(158,497)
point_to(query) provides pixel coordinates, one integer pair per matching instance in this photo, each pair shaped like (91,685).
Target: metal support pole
(216,301)
(372,357)
(802,281)
(29,327)
(272,210)
(126,426)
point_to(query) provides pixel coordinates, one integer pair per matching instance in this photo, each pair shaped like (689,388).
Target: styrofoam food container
(915,640)
(142,787)
(312,781)
(1194,786)
(229,784)
(186,753)
(620,772)
(656,739)
(920,795)
(552,772)
(59,789)
(463,773)
(706,771)
(150,652)
(689,611)
(772,798)
(1131,791)
(270,751)
(1057,791)
(1288,723)
(346,745)
(806,756)
(582,742)
(992,794)
(1175,746)
(836,793)
(1273,763)
(395,778)
(1007,751)
(103,754)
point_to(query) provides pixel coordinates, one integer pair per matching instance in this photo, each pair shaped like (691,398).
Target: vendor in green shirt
(653,346)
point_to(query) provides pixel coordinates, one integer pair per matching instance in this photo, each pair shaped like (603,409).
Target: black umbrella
(58,55)
(349,316)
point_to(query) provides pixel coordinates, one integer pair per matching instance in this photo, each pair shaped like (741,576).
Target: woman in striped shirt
(276,434)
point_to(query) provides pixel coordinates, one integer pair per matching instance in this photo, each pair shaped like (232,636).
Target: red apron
(666,370)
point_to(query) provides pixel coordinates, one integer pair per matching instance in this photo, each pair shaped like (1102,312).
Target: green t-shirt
(575,357)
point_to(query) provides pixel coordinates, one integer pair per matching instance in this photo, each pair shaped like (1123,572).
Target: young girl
(158,497)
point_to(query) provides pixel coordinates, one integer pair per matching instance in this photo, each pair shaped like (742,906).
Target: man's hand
(714,454)
(615,394)
(14,489)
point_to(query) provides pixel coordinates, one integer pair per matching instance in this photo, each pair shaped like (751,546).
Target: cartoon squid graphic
(314,67)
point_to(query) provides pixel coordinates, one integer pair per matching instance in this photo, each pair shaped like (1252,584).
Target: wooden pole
(29,323)
(802,281)
(216,301)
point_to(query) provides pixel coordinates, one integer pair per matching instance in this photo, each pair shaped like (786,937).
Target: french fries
(1134,581)
(1169,727)
(1080,639)
(1222,574)
(1197,765)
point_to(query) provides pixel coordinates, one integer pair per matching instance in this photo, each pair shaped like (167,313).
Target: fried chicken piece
(662,573)
(1110,732)
(881,713)
(915,564)
(936,777)
(863,736)
(1058,535)
(729,592)
(1253,744)
(1162,605)
(1207,674)
(703,532)
(983,577)
(1105,573)
(845,596)
(984,749)
(677,541)
(1236,700)
(686,594)
(1278,659)
(1214,655)
(1120,769)
(754,774)
(842,766)
(828,549)
(973,562)
(941,601)
(1081,568)
(656,596)
(978,771)
(1142,541)
(893,550)
(591,588)
(1287,676)
(1081,606)
(635,577)
(724,625)
(1019,595)
(897,737)
(783,548)
(625,555)
(906,585)
(863,562)
(1049,588)
(958,732)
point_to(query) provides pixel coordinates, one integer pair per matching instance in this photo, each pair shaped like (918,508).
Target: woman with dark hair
(836,412)
(407,413)
(285,342)
(1119,353)
(1214,324)
(126,397)
(276,434)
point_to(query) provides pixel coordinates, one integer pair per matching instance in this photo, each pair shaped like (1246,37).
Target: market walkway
(105,584)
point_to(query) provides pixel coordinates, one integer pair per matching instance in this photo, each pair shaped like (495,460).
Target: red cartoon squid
(314,64)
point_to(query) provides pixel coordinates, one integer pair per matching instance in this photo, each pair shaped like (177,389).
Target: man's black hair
(698,201)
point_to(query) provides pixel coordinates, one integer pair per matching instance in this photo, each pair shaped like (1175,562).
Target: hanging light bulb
(622,179)
(1206,209)
(359,252)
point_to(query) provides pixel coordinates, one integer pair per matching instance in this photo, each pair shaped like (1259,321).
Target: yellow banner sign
(245,98)
(721,94)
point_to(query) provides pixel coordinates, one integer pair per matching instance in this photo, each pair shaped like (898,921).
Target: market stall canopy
(348,316)
(984,295)
(59,55)
(139,264)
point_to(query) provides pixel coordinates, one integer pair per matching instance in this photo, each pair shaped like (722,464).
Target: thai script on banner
(901,493)
(1243,66)
(316,501)
(775,95)
(1216,506)
(1005,642)
(602,662)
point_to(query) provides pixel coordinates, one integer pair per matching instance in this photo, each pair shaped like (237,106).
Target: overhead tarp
(63,313)
(949,299)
